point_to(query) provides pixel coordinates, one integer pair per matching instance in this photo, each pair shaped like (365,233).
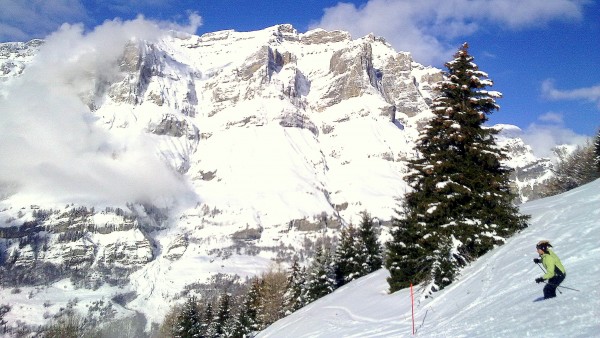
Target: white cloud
(195,21)
(51,145)
(591,94)
(549,132)
(551,118)
(426,28)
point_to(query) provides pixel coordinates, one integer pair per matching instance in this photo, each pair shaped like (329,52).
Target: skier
(555,271)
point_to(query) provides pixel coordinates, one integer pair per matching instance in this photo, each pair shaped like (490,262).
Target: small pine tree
(370,248)
(246,320)
(408,259)
(4,309)
(207,325)
(461,192)
(358,252)
(597,150)
(321,278)
(348,264)
(223,316)
(189,321)
(295,283)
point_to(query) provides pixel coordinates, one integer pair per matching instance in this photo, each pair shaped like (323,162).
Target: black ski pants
(553,283)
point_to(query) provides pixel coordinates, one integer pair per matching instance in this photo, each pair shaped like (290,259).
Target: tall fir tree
(461,204)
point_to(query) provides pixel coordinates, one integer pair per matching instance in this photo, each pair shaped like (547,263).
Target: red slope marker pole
(412,304)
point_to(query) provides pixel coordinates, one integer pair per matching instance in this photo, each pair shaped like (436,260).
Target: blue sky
(544,56)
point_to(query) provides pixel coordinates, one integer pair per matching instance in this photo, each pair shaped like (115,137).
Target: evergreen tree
(295,283)
(369,244)
(246,320)
(4,309)
(222,318)
(407,258)
(461,203)
(358,252)
(207,325)
(189,320)
(321,278)
(348,263)
(597,150)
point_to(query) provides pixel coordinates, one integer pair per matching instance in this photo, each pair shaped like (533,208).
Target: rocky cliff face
(283,136)
(530,172)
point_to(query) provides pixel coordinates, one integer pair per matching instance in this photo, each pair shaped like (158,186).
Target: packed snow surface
(494,297)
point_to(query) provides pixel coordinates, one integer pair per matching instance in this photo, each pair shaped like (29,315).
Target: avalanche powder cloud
(51,146)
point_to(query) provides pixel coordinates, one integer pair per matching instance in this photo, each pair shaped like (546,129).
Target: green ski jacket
(551,261)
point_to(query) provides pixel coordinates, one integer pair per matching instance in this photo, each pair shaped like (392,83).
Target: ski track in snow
(354,317)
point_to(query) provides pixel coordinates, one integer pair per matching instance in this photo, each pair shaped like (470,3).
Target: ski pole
(563,287)
(560,286)
(538,264)
(554,285)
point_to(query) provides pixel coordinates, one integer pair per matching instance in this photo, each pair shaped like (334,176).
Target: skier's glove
(539,280)
(537,260)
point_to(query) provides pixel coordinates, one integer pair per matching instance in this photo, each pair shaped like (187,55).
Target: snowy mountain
(494,297)
(133,169)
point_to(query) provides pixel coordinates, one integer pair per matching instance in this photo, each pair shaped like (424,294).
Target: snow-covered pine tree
(4,309)
(246,319)
(320,278)
(408,256)
(461,203)
(222,318)
(295,283)
(207,321)
(347,263)
(597,149)
(370,248)
(189,320)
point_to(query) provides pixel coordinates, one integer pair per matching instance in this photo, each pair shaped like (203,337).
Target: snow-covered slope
(494,297)
(141,166)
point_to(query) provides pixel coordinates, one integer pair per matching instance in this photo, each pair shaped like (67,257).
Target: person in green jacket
(555,271)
